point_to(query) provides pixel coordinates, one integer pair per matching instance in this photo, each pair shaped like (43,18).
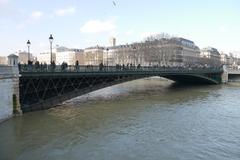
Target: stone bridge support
(9,85)
(224,77)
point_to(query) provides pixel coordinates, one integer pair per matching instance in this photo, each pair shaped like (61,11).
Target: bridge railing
(117,68)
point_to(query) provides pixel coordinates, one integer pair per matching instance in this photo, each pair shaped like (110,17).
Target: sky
(81,24)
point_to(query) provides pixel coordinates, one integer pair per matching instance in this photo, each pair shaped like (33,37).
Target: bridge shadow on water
(152,90)
(177,85)
(185,92)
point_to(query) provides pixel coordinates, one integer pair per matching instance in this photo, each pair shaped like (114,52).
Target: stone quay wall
(9,91)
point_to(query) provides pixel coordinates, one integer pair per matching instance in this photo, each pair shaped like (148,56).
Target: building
(232,61)
(45,57)
(211,55)
(123,54)
(66,55)
(12,60)
(93,55)
(3,60)
(79,56)
(62,54)
(186,52)
(69,56)
(112,41)
(23,57)
(154,51)
(223,58)
(173,51)
(109,55)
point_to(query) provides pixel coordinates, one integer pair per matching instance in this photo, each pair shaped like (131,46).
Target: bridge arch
(192,79)
(43,91)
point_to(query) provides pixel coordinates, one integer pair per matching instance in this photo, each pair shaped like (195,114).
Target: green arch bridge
(43,87)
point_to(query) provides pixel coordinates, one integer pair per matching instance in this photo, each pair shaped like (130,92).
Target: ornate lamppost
(28,45)
(107,57)
(134,54)
(51,40)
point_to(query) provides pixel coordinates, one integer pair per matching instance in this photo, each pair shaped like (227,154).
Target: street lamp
(107,57)
(51,40)
(134,49)
(28,45)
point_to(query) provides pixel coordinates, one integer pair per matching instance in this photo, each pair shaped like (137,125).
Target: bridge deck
(96,70)
(41,88)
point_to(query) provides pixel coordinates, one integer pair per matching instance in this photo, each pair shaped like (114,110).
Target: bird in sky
(114,3)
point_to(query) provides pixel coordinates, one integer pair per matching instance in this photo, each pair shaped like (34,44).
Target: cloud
(63,12)
(98,26)
(5,7)
(4,2)
(29,20)
(36,14)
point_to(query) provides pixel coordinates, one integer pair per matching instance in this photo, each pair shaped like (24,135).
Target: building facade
(155,52)
(12,60)
(79,56)
(23,57)
(3,60)
(211,56)
(69,56)
(223,58)
(112,41)
(45,57)
(63,54)
(232,61)
(93,55)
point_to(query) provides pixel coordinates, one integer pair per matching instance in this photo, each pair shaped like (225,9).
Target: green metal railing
(96,69)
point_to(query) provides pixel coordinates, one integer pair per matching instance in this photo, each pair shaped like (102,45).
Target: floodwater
(148,119)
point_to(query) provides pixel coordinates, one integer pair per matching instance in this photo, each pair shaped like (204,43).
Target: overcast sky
(80,24)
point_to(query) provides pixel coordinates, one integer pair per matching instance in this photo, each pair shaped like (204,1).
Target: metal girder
(46,89)
(42,90)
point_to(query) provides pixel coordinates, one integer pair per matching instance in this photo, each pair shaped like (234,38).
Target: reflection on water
(143,119)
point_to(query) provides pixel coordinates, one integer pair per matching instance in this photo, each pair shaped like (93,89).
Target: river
(148,119)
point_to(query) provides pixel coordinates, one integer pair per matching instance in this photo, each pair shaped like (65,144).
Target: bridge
(233,74)
(46,86)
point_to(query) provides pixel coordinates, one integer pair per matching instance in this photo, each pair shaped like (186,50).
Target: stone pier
(224,75)
(9,92)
